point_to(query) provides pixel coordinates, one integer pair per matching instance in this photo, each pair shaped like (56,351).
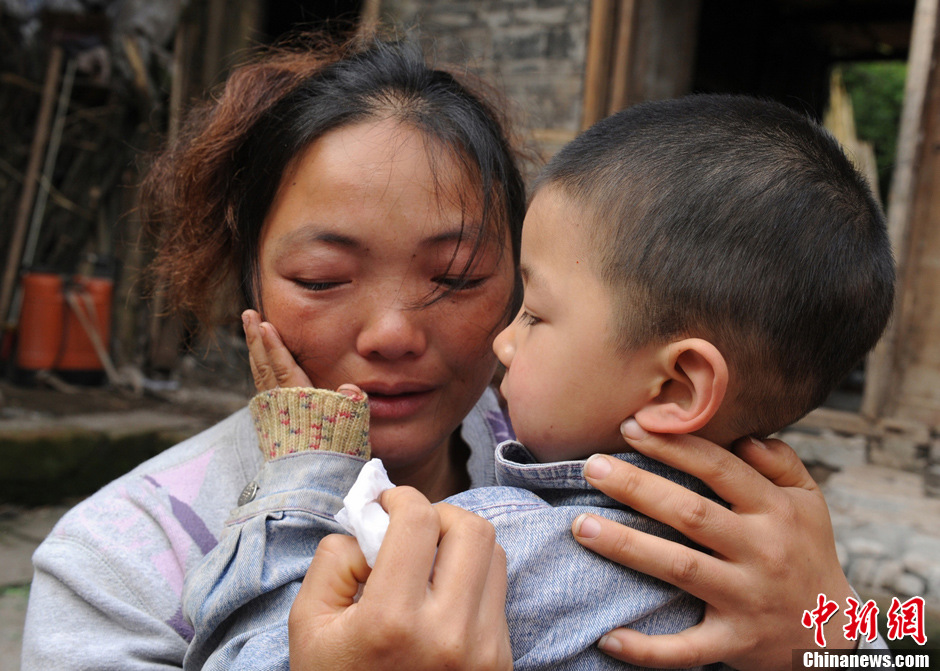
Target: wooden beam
(839,420)
(624,46)
(213,49)
(369,19)
(597,62)
(882,377)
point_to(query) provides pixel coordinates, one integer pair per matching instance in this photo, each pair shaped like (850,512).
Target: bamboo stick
(40,138)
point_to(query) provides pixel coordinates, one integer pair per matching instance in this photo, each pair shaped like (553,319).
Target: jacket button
(248,493)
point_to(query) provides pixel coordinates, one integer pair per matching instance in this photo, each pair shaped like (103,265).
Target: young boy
(710,265)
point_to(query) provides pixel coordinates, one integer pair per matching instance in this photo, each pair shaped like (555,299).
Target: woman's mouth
(390,403)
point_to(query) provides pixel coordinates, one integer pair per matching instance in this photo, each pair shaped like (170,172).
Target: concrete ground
(21,530)
(887,530)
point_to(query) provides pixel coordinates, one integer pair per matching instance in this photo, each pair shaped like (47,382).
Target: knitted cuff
(303,419)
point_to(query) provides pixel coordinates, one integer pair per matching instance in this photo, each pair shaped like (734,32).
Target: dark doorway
(282,17)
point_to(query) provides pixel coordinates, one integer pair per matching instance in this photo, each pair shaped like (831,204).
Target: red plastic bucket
(51,336)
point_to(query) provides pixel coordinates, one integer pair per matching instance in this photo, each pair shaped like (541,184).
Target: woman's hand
(772,553)
(404,620)
(272,365)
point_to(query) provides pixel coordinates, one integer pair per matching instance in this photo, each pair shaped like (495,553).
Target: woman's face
(360,235)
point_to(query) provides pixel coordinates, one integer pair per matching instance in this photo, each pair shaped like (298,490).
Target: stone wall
(886,523)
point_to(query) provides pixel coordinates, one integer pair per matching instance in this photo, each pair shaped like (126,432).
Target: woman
(370,207)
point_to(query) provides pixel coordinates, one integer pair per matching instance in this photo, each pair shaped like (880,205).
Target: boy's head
(740,262)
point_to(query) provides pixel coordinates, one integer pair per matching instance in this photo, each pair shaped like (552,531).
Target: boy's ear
(695,379)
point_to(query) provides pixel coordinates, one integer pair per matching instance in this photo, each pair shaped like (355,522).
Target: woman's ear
(694,386)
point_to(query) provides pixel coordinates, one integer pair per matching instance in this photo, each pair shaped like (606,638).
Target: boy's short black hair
(742,222)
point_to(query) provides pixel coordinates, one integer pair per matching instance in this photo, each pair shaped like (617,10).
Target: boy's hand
(773,552)
(272,365)
(404,620)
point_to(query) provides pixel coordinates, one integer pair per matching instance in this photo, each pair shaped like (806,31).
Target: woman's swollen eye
(319,286)
(458,282)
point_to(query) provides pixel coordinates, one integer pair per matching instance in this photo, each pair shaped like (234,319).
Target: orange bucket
(51,337)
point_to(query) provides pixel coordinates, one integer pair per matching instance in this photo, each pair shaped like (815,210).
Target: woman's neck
(442,475)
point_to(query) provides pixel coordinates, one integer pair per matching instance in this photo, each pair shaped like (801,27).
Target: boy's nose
(505,344)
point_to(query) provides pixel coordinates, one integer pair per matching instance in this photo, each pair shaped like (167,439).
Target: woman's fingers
(272,364)
(755,590)
(493,603)
(690,570)
(261,371)
(464,556)
(729,477)
(334,576)
(457,621)
(704,521)
(468,589)
(696,646)
(455,618)
(776,461)
(404,562)
(285,369)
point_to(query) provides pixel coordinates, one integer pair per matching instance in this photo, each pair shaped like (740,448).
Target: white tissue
(362,516)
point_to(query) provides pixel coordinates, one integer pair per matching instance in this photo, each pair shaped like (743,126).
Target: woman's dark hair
(207,197)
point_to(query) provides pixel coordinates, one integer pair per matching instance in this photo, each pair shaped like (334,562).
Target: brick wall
(534,50)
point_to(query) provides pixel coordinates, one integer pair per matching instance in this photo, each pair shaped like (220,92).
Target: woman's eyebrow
(312,234)
(461,234)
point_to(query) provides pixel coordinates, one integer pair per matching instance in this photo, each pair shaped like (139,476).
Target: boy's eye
(458,282)
(528,320)
(318,286)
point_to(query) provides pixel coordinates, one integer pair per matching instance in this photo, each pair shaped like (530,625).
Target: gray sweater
(108,580)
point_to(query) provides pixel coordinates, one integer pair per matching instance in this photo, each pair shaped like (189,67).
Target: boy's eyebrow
(530,277)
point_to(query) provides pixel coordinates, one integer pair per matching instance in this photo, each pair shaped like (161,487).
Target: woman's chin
(397,450)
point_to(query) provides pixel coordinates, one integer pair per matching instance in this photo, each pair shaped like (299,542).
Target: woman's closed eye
(321,285)
(458,282)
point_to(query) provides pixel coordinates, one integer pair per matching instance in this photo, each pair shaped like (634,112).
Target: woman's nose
(505,344)
(393,332)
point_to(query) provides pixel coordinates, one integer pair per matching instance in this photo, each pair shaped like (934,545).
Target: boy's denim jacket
(561,598)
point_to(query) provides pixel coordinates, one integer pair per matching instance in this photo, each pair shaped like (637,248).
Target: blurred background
(95,376)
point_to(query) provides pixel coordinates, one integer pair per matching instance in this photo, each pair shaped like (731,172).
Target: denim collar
(516,467)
